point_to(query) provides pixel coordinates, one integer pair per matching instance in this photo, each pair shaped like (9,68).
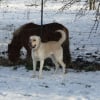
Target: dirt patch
(78,64)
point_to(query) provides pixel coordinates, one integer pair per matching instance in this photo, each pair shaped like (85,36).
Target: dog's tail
(63,36)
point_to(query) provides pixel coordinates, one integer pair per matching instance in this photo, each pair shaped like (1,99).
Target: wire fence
(83,43)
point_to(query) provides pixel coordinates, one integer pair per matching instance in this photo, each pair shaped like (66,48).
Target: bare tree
(92,4)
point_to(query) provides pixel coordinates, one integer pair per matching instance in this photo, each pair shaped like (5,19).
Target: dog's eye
(34,40)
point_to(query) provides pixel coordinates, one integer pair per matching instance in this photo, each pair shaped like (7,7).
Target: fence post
(41,17)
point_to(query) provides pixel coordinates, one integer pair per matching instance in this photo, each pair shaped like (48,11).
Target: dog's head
(34,42)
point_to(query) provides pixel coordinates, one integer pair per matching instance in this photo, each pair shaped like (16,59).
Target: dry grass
(77,65)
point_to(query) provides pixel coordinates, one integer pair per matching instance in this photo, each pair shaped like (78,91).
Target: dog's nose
(34,46)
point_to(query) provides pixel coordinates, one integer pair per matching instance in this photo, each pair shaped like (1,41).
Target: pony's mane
(25,26)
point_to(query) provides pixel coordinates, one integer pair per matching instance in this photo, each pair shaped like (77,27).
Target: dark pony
(21,39)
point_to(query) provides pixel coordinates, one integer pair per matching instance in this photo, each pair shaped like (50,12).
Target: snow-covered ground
(19,85)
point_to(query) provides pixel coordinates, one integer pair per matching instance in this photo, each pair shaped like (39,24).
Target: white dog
(41,51)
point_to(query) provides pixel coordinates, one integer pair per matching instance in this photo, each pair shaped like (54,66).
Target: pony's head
(13,52)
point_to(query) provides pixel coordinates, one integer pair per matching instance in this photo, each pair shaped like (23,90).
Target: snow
(19,85)
(14,13)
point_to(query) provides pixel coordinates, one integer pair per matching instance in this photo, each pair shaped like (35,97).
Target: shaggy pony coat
(21,39)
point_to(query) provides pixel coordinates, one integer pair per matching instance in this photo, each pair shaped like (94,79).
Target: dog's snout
(34,46)
(33,42)
(31,46)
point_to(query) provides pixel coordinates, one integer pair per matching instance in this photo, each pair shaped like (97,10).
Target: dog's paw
(33,76)
(40,77)
(66,71)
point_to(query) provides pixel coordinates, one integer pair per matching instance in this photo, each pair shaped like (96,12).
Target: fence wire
(82,42)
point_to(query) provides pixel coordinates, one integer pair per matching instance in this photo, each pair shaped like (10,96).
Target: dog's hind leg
(60,61)
(55,62)
(41,68)
(63,65)
(59,58)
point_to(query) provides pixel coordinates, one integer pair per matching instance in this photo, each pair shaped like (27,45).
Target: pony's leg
(28,57)
(28,52)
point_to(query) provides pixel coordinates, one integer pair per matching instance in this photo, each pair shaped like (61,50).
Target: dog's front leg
(41,68)
(34,65)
